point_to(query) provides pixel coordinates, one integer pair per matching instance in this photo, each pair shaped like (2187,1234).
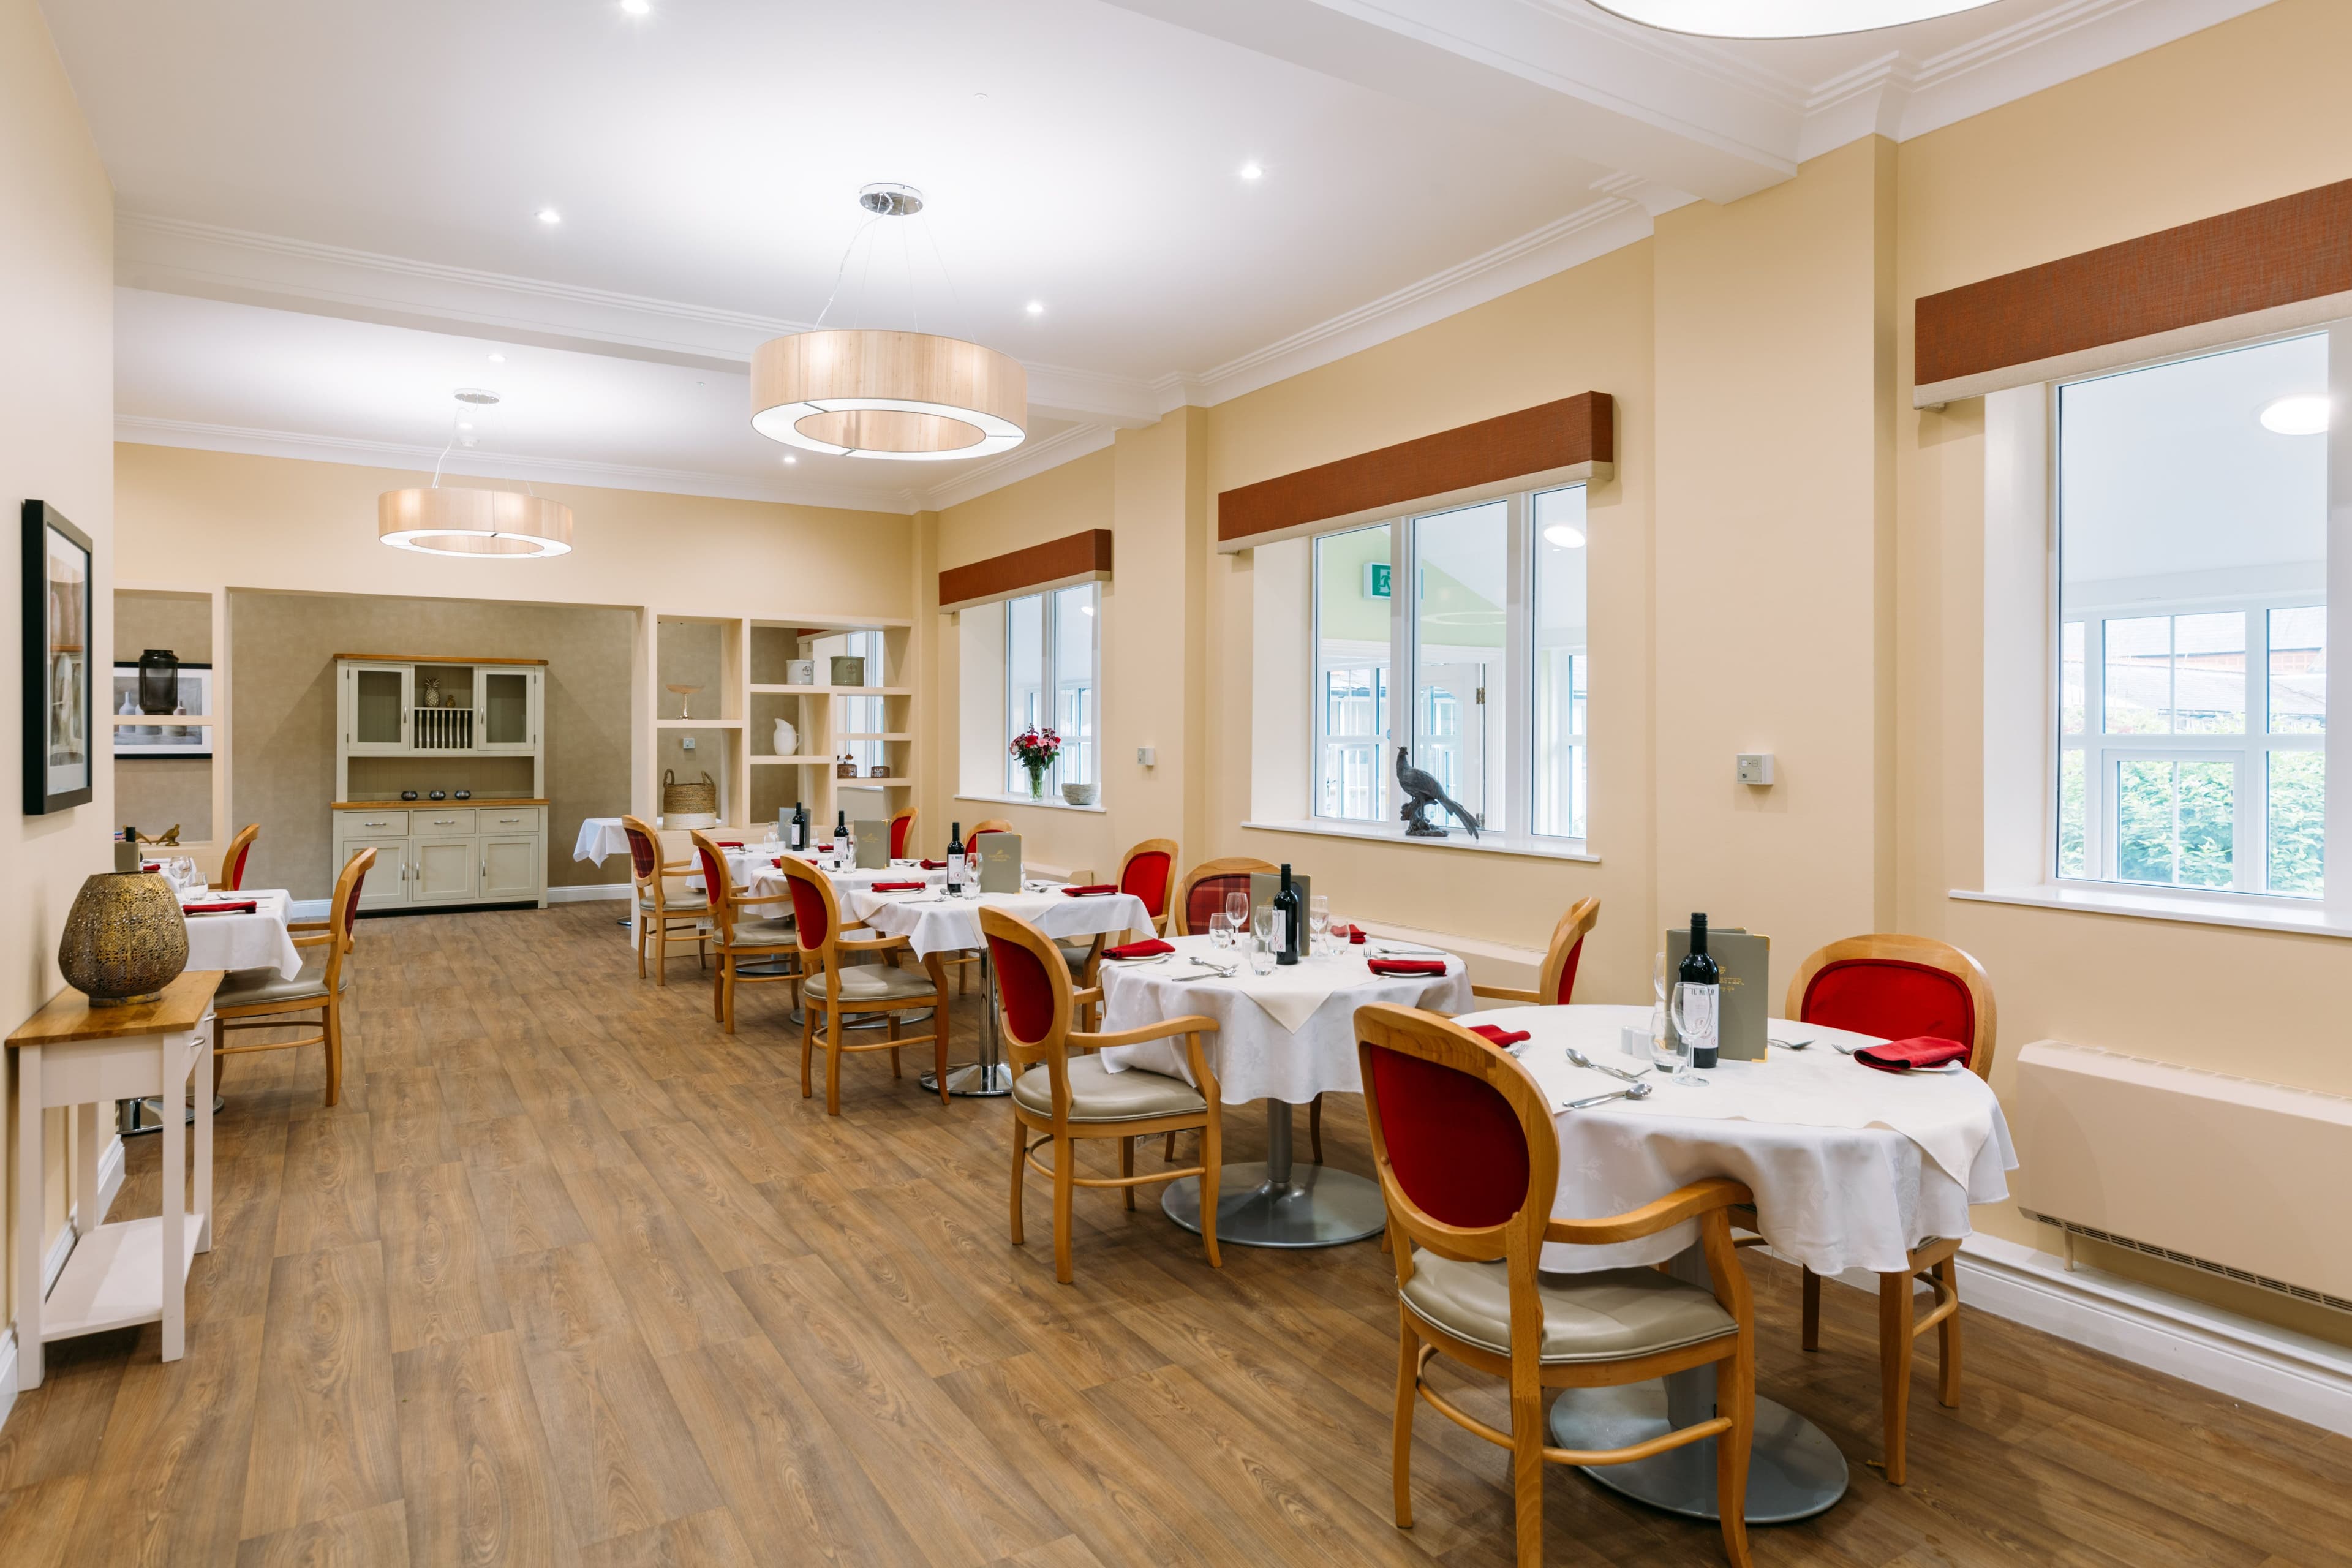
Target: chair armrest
(1091,994)
(1189,1023)
(880,944)
(1682,1204)
(1508,994)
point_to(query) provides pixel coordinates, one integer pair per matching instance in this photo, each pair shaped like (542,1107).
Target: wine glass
(1221,929)
(1261,952)
(1237,909)
(1318,921)
(1263,926)
(1658,1030)
(1693,1020)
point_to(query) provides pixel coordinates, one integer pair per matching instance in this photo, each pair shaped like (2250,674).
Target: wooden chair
(963,964)
(1065,1094)
(1145,871)
(902,833)
(993,825)
(1468,1161)
(1202,892)
(1561,958)
(660,911)
(756,939)
(1898,987)
(232,877)
(838,988)
(260,998)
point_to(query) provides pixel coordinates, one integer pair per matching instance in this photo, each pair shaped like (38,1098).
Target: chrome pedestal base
(1280,1202)
(1795,1471)
(991,1078)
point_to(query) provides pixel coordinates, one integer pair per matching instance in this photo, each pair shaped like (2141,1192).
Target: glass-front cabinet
(507,709)
(376,699)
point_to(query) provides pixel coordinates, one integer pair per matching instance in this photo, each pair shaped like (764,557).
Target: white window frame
(1050,657)
(1510,792)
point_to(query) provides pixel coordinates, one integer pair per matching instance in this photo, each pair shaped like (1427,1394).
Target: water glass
(1221,929)
(1679,1047)
(1237,909)
(1318,921)
(1261,955)
(1265,928)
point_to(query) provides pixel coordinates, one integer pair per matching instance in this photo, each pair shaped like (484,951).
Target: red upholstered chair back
(1032,992)
(350,891)
(1567,948)
(1147,872)
(1468,1155)
(232,871)
(1898,987)
(1202,892)
(715,886)
(902,828)
(813,903)
(343,913)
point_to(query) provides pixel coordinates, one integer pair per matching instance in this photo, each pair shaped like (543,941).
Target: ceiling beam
(173,256)
(1590,85)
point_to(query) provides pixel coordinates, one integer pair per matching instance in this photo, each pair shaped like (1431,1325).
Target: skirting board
(592,890)
(2276,1369)
(110,1182)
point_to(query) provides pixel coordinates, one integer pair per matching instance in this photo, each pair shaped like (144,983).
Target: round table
(931,922)
(1284,1039)
(1851,1169)
(256,940)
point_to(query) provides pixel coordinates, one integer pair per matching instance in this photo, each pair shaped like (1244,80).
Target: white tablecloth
(600,837)
(933,924)
(1253,1057)
(258,940)
(1851,1168)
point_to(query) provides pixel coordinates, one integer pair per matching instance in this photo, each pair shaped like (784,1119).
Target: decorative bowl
(1080,795)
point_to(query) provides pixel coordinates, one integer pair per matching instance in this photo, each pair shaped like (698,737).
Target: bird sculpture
(1423,791)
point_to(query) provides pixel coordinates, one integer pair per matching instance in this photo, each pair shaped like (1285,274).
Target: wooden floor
(571,1278)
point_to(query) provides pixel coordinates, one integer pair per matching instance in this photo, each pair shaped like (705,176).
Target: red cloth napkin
(1495,1035)
(1919,1051)
(1090,890)
(1407,965)
(729,842)
(825,848)
(778,862)
(1150,947)
(223,907)
(933,864)
(901,887)
(1353,933)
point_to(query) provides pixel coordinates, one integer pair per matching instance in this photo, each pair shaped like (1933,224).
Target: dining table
(1283,1037)
(260,938)
(1851,1168)
(935,921)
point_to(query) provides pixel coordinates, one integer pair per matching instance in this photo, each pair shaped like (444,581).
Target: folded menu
(1919,1051)
(222,907)
(1150,947)
(901,887)
(1091,889)
(1495,1035)
(1407,965)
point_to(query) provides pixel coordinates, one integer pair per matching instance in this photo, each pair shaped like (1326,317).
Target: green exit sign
(1376,579)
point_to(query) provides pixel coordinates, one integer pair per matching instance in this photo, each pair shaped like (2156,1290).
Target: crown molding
(1028,458)
(478,464)
(179,255)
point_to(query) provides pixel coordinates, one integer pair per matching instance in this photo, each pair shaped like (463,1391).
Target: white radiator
(2230,1174)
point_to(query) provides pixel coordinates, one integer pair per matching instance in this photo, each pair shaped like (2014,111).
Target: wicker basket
(688,805)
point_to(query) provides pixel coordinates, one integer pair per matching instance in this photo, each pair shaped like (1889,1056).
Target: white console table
(132,1272)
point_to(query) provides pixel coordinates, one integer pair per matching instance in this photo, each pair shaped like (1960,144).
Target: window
(2193,623)
(1484,607)
(1050,659)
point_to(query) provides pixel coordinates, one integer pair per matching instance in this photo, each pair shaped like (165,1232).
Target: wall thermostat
(1756,767)
(1147,756)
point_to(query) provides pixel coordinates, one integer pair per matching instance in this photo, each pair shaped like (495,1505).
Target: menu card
(1000,863)
(873,846)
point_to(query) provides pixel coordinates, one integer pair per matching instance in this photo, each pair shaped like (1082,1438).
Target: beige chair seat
(871,983)
(1606,1316)
(247,987)
(1076,954)
(763,933)
(1097,1094)
(677,903)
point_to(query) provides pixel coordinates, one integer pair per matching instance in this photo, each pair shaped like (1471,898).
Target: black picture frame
(59,602)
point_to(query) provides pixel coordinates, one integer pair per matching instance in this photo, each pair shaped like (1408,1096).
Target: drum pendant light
(462,521)
(1781,18)
(867,393)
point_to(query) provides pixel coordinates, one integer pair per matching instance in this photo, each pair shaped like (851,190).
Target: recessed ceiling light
(1781,18)
(550,215)
(1036,307)
(1253,170)
(498,359)
(2304,415)
(1564,536)
(638,7)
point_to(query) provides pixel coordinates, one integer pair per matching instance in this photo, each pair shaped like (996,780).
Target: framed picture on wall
(155,735)
(57,624)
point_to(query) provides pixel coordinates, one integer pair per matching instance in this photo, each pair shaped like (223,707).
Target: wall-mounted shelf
(698,724)
(874,735)
(758,761)
(177,721)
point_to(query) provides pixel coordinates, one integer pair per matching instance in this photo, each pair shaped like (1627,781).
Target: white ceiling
(280,165)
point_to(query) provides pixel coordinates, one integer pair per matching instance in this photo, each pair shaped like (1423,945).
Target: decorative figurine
(465,795)
(1421,792)
(437,795)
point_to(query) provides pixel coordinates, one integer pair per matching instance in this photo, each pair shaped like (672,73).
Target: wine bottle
(955,859)
(1287,921)
(1702,997)
(800,826)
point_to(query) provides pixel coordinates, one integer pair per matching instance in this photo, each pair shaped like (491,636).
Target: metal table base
(1795,1471)
(991,1078)
(1282,1203)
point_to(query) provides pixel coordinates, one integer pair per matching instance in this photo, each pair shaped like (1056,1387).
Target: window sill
(1381,833)
(1047,803)
(2101,900)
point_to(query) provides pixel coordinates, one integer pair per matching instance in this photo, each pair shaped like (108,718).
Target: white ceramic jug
(788,740)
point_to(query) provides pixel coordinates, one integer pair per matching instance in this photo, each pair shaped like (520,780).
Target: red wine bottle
(1702,997)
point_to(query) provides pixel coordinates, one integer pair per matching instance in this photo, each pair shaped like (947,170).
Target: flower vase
(1036,783)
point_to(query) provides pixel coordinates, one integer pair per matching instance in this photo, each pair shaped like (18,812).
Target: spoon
(1793,1045)
(1630,1092)
(1581,1059)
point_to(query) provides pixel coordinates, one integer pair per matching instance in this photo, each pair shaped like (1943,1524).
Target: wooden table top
(69,1017)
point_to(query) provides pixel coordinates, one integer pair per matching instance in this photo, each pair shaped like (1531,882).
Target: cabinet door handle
(510,819)
(380,822)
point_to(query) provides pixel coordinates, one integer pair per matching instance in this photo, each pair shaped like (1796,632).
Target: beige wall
(56,423)
(282,648)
